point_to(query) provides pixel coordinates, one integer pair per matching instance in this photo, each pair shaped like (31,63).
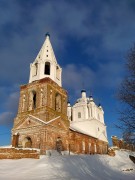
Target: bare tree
(126,95)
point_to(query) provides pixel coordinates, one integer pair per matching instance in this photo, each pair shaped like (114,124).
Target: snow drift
(74,167)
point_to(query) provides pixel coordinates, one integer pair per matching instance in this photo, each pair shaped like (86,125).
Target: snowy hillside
(74,167)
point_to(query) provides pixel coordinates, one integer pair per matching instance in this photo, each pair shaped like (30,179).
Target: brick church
(46,121)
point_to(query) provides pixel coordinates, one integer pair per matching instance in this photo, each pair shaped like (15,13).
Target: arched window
(79,114)
(34,99)
(58,102)
(47,68)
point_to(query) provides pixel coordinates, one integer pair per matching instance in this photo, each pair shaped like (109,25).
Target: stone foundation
(13,153)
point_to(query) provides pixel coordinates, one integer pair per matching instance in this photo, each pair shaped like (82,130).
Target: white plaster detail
(23,102)
(95,148)
(83,145)
(69,111)
(42,120)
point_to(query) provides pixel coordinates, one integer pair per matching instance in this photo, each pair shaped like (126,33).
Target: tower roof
(45,64)
(46,52)
(83,90)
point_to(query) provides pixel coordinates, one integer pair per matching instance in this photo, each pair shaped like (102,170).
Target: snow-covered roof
(91,128)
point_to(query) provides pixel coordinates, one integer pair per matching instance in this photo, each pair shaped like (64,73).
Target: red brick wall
(84,144)
(121,144)
(47,108)
(12,153)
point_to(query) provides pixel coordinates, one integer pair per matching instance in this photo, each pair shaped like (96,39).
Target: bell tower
(45,64)
(42,112)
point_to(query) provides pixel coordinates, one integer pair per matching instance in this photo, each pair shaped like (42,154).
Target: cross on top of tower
(47,34)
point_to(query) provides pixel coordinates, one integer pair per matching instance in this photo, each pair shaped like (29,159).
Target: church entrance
(27,142)
(59,145)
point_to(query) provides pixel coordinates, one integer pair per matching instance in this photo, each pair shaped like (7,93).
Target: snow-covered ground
(74,167)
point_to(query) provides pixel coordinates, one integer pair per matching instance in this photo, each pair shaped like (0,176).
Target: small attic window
(46,55)
(47,50)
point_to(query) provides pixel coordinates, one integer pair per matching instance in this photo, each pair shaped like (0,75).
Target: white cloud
(106,76)
(98,27)
(11,105)
(12,101)
(79,20)
(75,77)
(6,118)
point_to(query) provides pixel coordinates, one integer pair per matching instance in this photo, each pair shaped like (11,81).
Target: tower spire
(45,64)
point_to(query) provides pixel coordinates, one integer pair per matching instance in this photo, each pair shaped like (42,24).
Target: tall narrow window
(58,102)
(98,117)
(23,103)
(36,66)
(79,114)
(34,99)
(58,72)
(89,147)
(34,69)
(95,148)
(47,68)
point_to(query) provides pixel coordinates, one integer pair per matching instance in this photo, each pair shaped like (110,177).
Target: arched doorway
(59,145)
(27,142)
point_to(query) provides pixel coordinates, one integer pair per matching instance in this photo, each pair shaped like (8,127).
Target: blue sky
(90,39)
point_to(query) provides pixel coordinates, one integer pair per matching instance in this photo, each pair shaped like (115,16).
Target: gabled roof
(44,121)
(35,122)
